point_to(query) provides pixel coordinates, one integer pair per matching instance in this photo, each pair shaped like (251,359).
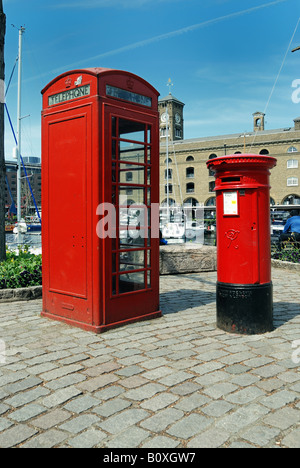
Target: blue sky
(223,56)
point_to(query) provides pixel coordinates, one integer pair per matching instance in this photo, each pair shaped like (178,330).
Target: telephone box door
(130,228)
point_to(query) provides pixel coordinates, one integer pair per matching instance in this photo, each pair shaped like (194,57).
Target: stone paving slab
(172,382)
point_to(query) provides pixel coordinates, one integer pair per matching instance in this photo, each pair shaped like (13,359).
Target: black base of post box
(245,309)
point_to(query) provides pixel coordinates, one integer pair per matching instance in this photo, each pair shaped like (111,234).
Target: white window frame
(292,182)
(292,164)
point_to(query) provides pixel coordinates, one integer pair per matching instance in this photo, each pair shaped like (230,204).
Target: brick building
(189,180)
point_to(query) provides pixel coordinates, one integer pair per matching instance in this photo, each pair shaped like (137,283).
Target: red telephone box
(244,287)
(100,195)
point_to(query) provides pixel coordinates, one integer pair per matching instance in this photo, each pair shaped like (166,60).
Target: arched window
(211,186)
(292,149)
(190,187)
(291,200)
(171,202)
(168,174)
(264,151)
(170,189)
(190,158)
(213,156)
(190,172)
(191,202)
(211,201)
(169,161)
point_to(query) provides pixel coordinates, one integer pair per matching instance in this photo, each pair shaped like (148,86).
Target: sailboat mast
(21,31)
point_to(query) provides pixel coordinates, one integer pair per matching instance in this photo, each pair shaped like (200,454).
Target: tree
(2,157)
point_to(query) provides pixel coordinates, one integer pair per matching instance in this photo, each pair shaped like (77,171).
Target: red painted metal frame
(244,240)
(77,177)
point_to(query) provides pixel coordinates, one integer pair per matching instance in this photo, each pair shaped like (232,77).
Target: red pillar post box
(244,286)
(100,196)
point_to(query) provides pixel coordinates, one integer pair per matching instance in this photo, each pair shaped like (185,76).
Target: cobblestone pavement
(173,382)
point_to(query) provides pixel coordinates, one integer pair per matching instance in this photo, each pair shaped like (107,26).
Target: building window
(211,186)
(169,161)
(291,200)
(128,176)
(292,149)
(292,182)
(168,174)
(213,156)
(190,188)
(177,133)
(170,189)
(163,132)
(190,158)
(190,173)
(292,164)
(264,151)
(211,201)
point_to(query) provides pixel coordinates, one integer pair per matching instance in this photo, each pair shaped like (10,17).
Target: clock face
(164,117)
(177,118)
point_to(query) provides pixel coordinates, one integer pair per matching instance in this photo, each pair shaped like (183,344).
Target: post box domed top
(241,161)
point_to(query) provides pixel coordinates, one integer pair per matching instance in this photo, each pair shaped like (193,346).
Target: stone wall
(187,258)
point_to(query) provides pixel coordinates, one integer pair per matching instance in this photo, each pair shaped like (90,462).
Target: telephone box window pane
(113,149)
(132,174)
(114,126)
(128,96)
(114,269)
(149,279)
(131,239)
(136,197)
(114,289)
(132,152)
(134,260)
(135,217)
(134,131)
(129,282)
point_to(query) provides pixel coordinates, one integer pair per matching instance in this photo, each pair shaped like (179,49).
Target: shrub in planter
(287,255)
(20,270)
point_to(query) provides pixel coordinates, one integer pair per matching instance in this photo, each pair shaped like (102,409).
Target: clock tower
(173,108)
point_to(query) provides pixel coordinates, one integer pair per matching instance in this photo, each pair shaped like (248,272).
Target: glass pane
(130,130)
(113,149)
(133,260)
(149,135)
(132,152)
(132,174)
(114,263)
(131,239)
(114,292)
(131,195)
(129,282)
(149,155)
(149,279)
(113,126)
(149,176)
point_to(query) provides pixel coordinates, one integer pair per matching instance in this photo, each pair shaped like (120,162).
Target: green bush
(287,255)
(21,269)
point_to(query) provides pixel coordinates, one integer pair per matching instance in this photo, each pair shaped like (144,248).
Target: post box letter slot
(227,180)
